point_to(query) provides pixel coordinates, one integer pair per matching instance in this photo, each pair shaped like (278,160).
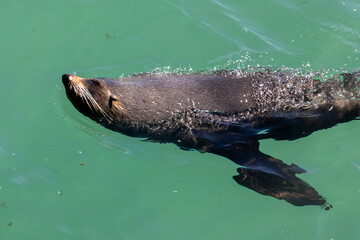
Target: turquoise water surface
(64,177)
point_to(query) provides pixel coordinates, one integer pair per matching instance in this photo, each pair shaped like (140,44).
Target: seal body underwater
(225,113)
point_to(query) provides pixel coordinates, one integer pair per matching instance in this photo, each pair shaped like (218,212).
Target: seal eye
(95,81)
(111,101)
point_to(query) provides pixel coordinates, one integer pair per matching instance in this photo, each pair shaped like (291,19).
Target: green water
(65,177)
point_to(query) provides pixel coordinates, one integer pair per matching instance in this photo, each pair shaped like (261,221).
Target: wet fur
(225,113)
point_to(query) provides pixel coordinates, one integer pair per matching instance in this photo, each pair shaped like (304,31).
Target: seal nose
(71,79)
(66,79)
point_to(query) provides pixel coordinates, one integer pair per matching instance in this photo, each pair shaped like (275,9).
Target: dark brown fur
(224,113)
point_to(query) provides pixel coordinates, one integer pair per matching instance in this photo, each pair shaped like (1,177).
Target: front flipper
(270,176)
(291,189)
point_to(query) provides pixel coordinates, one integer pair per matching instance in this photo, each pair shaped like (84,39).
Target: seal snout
(71,79)
(66,79)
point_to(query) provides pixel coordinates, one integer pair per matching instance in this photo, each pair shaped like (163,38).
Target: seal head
(93,98)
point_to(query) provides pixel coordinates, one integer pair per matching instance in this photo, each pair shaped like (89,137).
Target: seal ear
(112,98)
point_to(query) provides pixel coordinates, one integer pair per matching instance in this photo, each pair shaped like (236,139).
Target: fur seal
(225,113)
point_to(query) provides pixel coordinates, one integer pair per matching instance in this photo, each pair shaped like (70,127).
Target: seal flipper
(270,176)
(291,189)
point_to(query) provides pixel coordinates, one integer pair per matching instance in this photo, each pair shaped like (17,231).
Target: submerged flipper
(291,188)
(270,176)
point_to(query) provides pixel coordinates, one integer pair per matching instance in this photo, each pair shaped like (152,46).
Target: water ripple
(252,29)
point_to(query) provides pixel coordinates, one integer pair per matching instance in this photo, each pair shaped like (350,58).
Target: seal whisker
(84,94)
(95,105)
